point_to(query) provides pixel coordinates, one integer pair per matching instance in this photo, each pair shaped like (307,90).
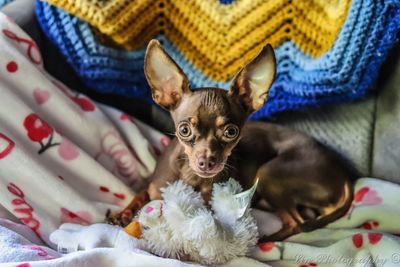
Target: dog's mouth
(206,174)
(209,174)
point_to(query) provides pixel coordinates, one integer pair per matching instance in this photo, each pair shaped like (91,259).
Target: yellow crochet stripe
(217,39)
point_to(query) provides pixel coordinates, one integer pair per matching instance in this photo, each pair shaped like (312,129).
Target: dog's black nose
(206,163)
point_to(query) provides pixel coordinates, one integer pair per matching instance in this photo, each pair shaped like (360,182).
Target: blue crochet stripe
(386,40)
(284,64)
(344,73)
(100,68)
(4,2)
(226,2)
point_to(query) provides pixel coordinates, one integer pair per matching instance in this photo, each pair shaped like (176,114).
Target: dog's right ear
(167,81)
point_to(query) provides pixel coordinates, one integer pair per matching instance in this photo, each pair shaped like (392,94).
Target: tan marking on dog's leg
(289,228)
(342,201)
(296,216)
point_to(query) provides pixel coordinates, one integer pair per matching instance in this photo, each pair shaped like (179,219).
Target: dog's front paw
(125,217)
(122,218)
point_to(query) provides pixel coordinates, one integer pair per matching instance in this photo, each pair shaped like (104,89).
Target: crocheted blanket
(328,51)
(4,2)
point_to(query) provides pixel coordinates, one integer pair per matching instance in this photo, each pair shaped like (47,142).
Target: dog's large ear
(251,84)
(167,81)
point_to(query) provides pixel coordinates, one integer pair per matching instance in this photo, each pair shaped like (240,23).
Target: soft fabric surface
(361,238)
(374,210)
(89,156)
(385,161)
(21,248)
(327,51)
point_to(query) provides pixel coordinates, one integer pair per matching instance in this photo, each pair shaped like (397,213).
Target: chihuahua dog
(306,184)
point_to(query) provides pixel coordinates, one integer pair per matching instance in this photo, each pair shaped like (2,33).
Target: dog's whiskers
(184,156)
(229,167)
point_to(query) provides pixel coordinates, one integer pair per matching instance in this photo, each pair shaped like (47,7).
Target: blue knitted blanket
(344,73)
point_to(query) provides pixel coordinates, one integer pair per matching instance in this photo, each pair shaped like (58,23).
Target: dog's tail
(343,206)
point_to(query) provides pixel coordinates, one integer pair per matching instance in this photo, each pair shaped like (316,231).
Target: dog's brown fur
(305,183)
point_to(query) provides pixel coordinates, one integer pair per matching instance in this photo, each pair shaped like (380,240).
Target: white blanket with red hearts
(67,159)
(364,237)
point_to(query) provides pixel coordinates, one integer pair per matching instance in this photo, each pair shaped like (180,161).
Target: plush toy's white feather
(182,194)
(181,225)
(225,207)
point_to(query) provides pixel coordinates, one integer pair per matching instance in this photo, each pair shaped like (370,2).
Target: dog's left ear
(252,83)
(167,81)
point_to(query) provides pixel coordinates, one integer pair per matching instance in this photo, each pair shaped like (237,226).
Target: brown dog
(305,183)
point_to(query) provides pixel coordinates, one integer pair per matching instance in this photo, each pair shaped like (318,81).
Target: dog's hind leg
(273,176)
(293,181)
(289,227)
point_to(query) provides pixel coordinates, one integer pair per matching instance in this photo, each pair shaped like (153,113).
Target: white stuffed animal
(180,226)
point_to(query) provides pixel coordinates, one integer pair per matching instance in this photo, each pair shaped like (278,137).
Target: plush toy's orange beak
(134,229)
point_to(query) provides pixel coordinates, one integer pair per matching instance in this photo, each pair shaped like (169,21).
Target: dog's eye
(185,130)
(231,131)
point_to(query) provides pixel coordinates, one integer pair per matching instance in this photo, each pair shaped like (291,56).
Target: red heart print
(367,226)
(67,150)
(124,117)
(80,217)
(360,194)
(370,225)
(12,66)
(104,189)
(6,146)
(41,96)
(372,198)
(374,238)
(119,195)
(84,103)
(267,246)
(71,214)
(357,240)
